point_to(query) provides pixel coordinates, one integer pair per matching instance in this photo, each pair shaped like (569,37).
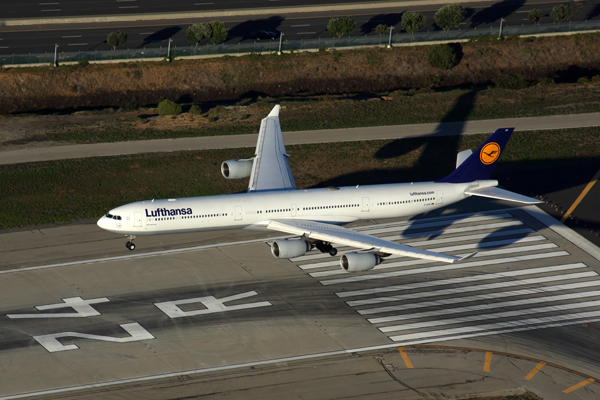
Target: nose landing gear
(326,248)
(130,245)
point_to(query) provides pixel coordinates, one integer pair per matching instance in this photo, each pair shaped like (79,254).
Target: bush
(442,56)
(341,26)
(168,107)
(322,50)
(449,16)
(545,81)
(583,79)
(511,81)
(83,63)
(218,32)
(132,104)
(382,29)
(596,78)
(195,110)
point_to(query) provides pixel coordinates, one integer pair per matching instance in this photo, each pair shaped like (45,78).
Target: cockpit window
(117,217)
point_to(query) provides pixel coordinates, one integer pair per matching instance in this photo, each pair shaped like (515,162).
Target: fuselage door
(365,204)
(137,219)
(293,210)
(238,213)
(439,199)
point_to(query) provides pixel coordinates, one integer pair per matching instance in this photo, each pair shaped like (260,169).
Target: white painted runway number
(212,304)
(51,343)
(83,308)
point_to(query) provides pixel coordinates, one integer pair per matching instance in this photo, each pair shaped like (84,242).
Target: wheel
(131,246)
(332,251)
(127,244)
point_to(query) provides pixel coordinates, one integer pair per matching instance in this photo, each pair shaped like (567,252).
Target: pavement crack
(394,377)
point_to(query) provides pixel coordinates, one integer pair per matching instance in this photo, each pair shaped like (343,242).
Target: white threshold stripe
(496,332)
(482,317)
(474,288)
(452,281)
(412,261)
(480,297)
(413,225)
(479,307)
(517,233)
(497,325)
(445,267)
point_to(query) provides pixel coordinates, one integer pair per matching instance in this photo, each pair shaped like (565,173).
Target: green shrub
(511,81)
(442,56)
(195,110)
(382,29)
(583,79)
(546,81)
(322,50)
(212,119)
(168,107)
(132,104)
(83,63)
(596,78)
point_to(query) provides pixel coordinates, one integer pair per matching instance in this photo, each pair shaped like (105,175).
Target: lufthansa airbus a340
(314,216)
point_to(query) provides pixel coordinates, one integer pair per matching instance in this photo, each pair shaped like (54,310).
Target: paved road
(151,31)
(300,137)
(229,320)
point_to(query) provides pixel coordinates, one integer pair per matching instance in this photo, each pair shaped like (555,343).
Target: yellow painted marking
(405,357)
(488,361)
(534,371)
(581,196)
(579,385)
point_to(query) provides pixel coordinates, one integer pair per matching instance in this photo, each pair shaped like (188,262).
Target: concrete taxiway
(217,316)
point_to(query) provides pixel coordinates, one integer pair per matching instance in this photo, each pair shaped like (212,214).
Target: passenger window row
(329,207)
(390,203)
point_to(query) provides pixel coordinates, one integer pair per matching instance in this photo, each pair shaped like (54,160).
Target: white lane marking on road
(212,304)
(50,342)
(474,288)
(498,325)
(473,278)
(482,317)
(447,267)
(82,309)
(479,307)
(72,36)
(484,297)
(297,26)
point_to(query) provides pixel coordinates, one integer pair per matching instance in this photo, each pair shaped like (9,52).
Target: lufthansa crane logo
(490,153)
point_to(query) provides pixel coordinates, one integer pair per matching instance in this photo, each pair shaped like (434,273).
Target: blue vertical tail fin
(481,163)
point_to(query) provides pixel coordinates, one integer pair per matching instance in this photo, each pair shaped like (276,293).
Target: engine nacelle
(290,248)
(236,169)
(359,262)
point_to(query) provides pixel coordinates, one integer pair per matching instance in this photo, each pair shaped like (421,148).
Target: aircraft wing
(271,170)
(313,231)
(501,194)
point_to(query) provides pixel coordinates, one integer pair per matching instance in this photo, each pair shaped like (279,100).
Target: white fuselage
(250,210)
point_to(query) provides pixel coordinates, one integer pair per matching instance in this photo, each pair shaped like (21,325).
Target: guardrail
(271,46)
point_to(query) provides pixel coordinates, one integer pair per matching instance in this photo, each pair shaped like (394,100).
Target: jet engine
(236,169)
(290,248)
(359,262)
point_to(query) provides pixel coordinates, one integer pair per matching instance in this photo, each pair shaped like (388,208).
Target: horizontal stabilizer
(501,194)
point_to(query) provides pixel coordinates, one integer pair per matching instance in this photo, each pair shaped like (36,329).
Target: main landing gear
(325,247)
(130,245)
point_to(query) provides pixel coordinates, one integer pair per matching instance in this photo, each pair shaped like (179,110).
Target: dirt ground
(24,90)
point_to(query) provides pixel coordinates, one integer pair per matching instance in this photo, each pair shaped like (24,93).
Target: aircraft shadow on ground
(162,35)
(244,29)
(391,19)
(495,12)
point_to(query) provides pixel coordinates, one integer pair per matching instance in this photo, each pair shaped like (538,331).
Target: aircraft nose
(102,222)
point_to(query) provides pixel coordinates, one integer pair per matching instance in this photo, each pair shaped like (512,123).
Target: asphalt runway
(197,316)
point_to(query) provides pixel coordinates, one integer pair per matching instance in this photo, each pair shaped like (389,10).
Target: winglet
(275,111)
